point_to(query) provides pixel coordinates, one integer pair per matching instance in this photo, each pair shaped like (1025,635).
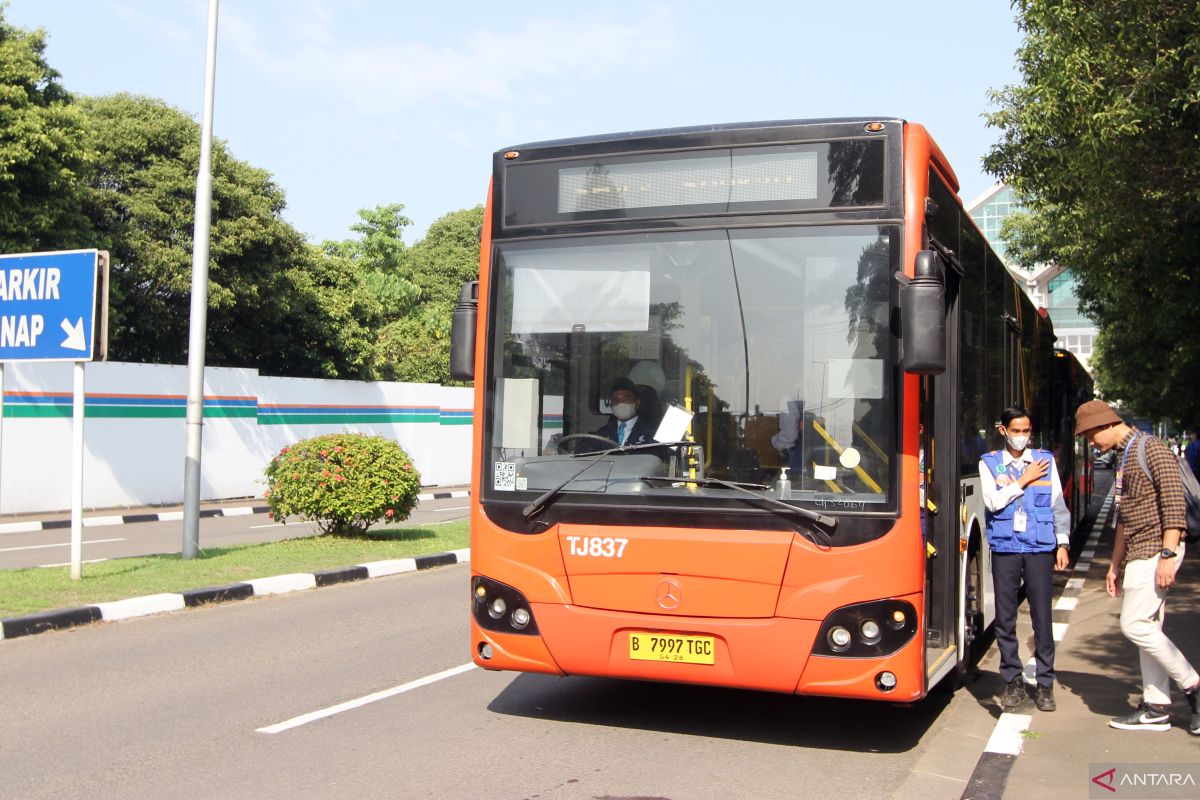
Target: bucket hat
(1093,414)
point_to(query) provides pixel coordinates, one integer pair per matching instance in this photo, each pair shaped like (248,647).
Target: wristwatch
(1167,553)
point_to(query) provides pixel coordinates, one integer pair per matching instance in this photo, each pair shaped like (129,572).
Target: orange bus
(732,384)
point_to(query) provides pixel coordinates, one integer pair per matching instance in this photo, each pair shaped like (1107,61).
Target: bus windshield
(763,349)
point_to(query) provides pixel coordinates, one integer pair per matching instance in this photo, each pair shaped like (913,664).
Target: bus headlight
(856,631)
(501,608)
(839,639)
(497,608)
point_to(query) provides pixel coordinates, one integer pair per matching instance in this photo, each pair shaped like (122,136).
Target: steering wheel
(594,436)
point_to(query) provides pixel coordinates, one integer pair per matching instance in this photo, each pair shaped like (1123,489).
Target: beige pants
(1142,613)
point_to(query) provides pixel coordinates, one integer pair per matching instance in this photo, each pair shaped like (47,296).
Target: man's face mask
(624,411)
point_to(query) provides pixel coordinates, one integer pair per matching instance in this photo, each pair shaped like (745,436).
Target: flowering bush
(345,482)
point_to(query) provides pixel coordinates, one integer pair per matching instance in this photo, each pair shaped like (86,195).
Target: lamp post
(198,325)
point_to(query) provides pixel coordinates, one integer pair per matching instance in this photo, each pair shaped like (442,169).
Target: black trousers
(1037,570)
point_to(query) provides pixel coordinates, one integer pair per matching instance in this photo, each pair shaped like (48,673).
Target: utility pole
(198,326)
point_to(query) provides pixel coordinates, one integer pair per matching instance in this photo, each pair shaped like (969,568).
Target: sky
(351,104)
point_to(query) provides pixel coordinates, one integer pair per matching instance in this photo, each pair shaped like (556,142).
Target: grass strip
(25,591)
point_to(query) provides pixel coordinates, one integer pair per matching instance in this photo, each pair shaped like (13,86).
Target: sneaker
(1045,698)
(1143,718)
(1194,722)
(1014,694)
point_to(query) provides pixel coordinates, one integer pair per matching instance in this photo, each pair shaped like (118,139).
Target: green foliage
(1102,141)
(380,256)
(345,482)
(416,347)
(119,173)
(41,153)
(274,301)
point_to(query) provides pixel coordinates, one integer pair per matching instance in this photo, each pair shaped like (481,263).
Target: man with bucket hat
(1151,520)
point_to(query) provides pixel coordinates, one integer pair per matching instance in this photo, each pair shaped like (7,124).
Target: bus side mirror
(462,333)
(923,316)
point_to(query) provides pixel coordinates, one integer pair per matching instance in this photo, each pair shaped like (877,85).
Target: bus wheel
(972,637)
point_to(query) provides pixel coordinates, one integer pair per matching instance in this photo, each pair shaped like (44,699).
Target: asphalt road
(173,705)
(52,547)
(366,690)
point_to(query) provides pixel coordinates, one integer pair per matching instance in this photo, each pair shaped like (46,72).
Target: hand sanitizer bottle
(783,487)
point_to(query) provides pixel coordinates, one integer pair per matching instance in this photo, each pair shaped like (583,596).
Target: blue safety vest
(1038,536)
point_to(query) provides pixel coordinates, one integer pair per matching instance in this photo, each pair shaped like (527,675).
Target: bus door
(939,454)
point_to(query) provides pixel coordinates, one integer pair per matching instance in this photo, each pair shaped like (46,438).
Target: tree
(275,302)
(41,149)
(416,347)
(1102,141)
(381,257)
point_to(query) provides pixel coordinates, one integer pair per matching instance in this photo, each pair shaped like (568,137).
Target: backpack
(1191,492)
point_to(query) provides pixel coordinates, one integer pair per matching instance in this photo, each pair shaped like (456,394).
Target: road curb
(62,618)
(106,520)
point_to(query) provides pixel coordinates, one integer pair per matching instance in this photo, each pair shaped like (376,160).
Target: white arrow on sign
(75,339)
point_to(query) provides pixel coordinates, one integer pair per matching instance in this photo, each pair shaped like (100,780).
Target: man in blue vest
(1029,531)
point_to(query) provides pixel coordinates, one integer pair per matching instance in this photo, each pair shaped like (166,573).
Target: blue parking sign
(47,306)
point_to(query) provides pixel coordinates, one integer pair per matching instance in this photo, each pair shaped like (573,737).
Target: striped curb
(33,526)
(58,619)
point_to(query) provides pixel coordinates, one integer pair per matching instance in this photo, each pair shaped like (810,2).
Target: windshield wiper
(629,448)
(812,516)
(541,501)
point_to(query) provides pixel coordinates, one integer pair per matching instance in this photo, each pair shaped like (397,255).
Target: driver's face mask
(624,411)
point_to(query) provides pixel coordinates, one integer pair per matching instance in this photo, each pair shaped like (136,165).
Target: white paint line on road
(1066,604)
(1006,738)
(68,563)
(273,525)
(313,716)
(1060,630)
(1075,583)
(59,544)
(238,511)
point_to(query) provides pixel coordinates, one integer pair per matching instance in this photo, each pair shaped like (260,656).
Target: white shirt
(996,498)
(629,423)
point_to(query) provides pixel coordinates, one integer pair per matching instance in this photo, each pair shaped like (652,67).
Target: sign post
(47,313)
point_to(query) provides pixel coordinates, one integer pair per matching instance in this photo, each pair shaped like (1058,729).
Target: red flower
(339,477)
(390,513)
(270,515)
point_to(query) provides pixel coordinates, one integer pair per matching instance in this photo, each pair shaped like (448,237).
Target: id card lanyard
(1120,481)
(1020,520)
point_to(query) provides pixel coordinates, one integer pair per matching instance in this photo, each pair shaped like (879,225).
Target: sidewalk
(1098,678)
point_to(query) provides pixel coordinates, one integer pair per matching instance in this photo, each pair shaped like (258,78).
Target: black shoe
(1143,718)
(1194,722)
(1014,694)
(1045,698)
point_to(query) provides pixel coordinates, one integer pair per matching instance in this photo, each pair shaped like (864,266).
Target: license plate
(671,647)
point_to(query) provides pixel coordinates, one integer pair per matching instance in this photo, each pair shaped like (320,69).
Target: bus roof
(694,129)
